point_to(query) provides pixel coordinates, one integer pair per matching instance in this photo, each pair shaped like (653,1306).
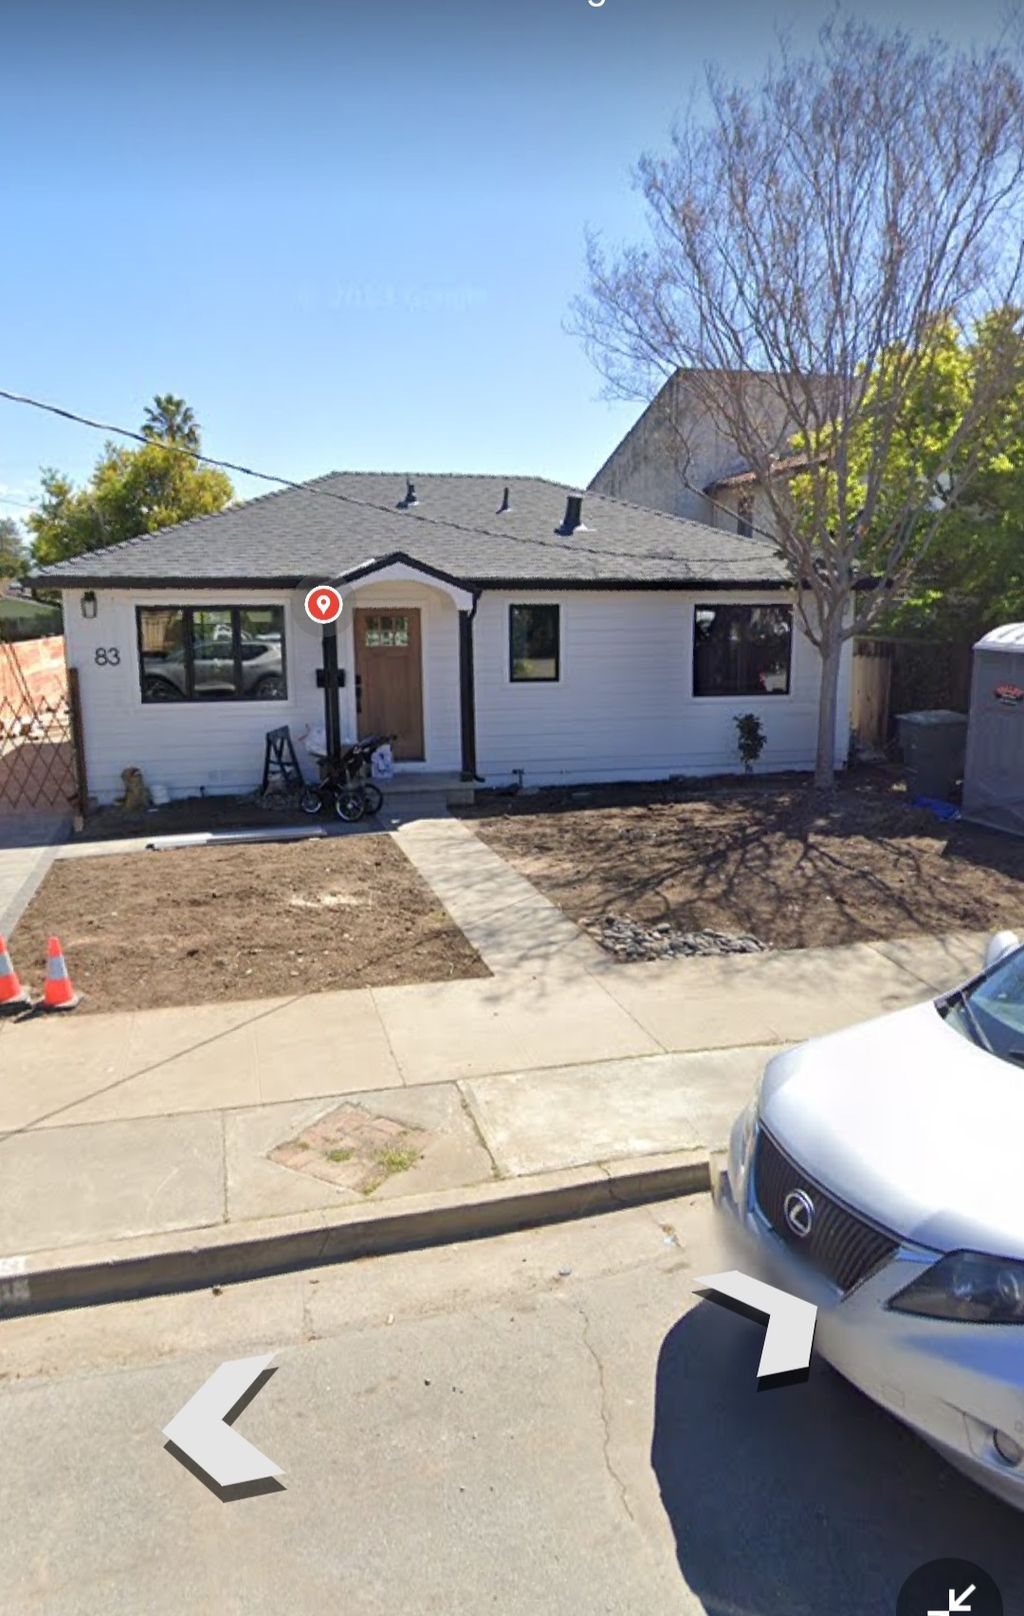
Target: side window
(534,644)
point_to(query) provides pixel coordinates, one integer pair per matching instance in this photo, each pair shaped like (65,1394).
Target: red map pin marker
(323,604)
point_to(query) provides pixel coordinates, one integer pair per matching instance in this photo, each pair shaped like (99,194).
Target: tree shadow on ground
(806,1499)
(797,868)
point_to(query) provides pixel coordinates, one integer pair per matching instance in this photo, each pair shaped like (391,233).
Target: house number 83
(107,656)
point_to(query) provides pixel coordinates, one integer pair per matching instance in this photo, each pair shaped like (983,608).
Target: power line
(575,548)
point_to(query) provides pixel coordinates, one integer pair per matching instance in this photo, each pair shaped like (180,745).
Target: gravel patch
(631,939)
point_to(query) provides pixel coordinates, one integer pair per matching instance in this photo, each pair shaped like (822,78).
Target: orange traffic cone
(12,995)
(58,994)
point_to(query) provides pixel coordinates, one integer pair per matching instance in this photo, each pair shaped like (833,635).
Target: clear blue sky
(347,232)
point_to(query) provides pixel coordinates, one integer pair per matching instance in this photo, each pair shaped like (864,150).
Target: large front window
(742,650)
(212,653)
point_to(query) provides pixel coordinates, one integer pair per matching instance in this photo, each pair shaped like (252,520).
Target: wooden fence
(904,676)
(870,694)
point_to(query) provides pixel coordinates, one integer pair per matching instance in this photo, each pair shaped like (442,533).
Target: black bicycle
(347,784)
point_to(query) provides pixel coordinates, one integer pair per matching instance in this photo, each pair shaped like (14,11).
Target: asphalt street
(545,1423)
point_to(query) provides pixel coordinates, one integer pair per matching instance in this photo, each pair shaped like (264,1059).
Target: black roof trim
(615,586)
(211,586)
(203,585)
(400,558)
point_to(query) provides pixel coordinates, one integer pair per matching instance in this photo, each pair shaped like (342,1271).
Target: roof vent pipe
(410,495)
(573,520)
(505,502)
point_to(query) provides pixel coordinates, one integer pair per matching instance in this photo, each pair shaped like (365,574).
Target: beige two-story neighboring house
(676,458)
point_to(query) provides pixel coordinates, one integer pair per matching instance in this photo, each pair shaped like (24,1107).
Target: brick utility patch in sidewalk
(354,1149)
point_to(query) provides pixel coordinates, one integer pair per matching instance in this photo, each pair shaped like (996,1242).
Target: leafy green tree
(944,530)
(13,559)
(971,575)
(170,420)
(131,492)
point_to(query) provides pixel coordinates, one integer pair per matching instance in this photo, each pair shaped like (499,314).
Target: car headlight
(969,1286)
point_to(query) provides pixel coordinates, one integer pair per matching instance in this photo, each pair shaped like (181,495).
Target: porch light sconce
(89,603)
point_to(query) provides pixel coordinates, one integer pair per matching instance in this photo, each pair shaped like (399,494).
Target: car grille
(844,1246)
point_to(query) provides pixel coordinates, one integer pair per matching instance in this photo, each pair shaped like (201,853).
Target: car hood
(910,1123)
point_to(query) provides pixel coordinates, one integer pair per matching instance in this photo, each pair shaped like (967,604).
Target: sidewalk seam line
(634,1019)
(775,1042)
(896,965)
(387,1037)
(475,1123)
(224,1162)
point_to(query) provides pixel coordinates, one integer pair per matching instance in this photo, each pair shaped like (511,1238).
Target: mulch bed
(206,924)
(794,867)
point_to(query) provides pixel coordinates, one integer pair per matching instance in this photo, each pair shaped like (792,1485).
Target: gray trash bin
(933,745)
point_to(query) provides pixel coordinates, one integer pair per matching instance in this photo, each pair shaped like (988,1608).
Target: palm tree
(170,420)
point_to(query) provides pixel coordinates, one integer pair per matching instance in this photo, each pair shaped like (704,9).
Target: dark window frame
(188,614)
(535,679)
(747,695)
(745,516)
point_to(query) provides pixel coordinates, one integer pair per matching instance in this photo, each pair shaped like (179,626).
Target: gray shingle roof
(287,537)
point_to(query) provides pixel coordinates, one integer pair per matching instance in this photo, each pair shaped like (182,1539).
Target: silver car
(876,1173)
(165,677)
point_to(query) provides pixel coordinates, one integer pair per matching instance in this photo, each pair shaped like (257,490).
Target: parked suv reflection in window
(193,653)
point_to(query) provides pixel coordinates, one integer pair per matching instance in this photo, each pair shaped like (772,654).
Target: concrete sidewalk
(145,1149)
(121,1128)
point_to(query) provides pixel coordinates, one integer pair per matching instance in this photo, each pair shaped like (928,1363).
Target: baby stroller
(347,784)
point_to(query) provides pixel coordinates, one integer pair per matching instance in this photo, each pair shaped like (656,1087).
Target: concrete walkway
(512,926)
(28,844)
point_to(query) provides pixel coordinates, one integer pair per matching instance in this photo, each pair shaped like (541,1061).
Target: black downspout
(467,693)
(332,710)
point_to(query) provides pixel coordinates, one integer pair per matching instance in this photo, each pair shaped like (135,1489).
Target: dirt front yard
(200,924)
(793,868)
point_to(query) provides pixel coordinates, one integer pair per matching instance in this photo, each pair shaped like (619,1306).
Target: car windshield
(991,1013)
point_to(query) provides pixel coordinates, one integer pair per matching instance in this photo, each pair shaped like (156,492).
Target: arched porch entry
(404,632)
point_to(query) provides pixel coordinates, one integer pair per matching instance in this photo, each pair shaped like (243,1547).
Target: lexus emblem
(798,1210)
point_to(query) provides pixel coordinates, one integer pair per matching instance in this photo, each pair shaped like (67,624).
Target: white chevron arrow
(790,1333)
(199,1430)
(956,1602)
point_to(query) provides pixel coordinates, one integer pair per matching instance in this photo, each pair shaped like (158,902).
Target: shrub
(750,739)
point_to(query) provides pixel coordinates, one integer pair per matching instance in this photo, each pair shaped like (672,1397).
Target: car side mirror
(1000,943)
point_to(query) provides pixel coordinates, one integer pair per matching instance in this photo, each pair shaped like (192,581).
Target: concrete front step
(450,789)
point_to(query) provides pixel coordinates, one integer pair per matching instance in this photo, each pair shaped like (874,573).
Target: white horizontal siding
(623,707)
(217,747)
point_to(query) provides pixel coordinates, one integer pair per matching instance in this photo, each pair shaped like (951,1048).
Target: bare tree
(818,229)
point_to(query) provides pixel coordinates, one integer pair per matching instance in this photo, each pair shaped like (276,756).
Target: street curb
(127,1269)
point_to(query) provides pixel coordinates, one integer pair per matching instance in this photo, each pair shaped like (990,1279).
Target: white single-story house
(498,628)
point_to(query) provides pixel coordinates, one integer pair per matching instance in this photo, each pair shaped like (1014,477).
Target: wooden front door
(389,677)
